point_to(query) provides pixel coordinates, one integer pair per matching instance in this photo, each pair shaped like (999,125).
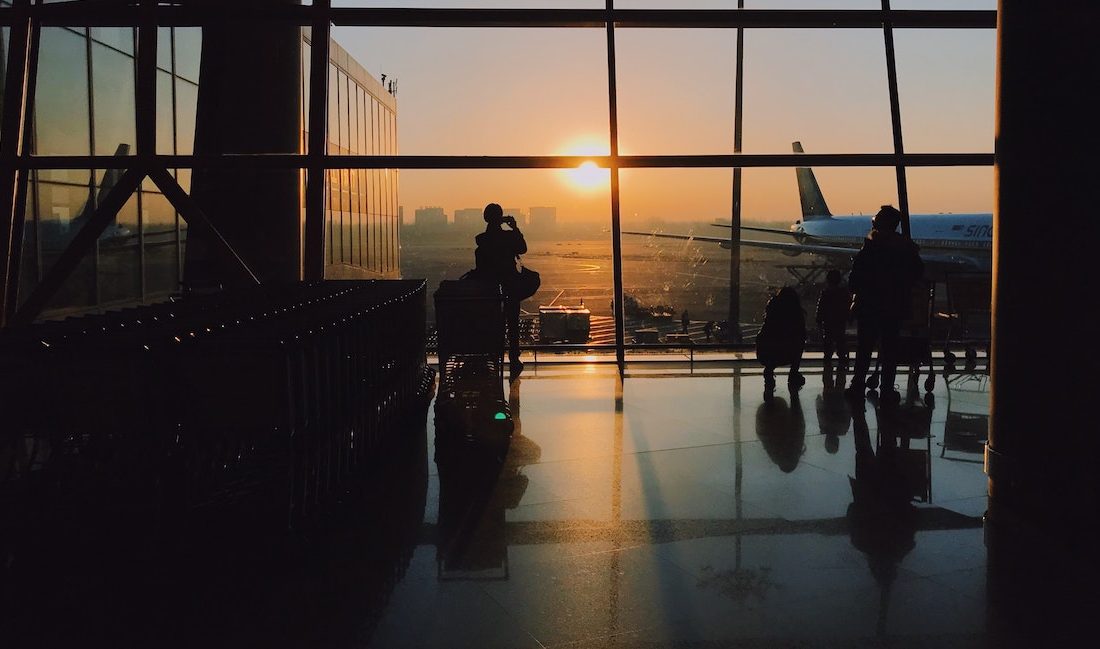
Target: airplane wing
(771,245)
(801,247)
(687,237)
(756,228)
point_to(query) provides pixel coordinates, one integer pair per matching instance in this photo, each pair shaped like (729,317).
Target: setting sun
(588,176)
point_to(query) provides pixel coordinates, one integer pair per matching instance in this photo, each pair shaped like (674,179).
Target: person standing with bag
(497,260)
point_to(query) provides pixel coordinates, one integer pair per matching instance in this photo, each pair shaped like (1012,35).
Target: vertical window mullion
(616,233)
(895,116)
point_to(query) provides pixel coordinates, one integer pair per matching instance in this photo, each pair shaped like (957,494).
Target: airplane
(55,233)
(948,242)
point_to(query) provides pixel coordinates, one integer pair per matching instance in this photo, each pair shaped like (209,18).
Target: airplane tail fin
(813,201)
(110,179)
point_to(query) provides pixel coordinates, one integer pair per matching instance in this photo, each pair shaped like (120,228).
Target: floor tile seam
(628,453)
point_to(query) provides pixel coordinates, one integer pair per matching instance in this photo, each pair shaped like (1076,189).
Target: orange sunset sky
(544,92)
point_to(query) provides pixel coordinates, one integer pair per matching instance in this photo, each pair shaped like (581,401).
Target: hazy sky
(544,91)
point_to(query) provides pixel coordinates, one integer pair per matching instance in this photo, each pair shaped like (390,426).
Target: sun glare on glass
(588,176)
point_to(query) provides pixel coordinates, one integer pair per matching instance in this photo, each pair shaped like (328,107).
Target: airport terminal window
(60,108)
(113,101)
(946,87)
(101,114)
(166,136)
(835,102)
(187,102)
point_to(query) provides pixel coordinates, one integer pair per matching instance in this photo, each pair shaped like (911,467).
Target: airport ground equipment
(470,406)
(966,429)
(914,344)
(968,315)
(559,323)
(270,400)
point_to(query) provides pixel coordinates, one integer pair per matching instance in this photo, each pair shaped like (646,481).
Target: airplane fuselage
(929,231)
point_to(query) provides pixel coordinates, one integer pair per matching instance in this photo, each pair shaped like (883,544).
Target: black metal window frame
(25,18)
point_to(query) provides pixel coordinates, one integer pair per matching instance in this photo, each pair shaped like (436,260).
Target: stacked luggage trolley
(471,407)
(270,400)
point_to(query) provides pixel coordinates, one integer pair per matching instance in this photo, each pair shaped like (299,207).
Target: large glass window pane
(331,194)
(166,140)
(188,41)
(675,91)
(344,108)
(5,36)
(488,91)
(61,124)
(751,4)
(119,263)
(952,221)
(65,199)
(946,88)
(161,251)
(667,279)
(187,98)
(989,5)
(771,199)
(164,48)
(306,61)
(475,4)
(113,94)
(573,256)
(333,110)
(826,88)
(362,112)
(120,38)
(676,259)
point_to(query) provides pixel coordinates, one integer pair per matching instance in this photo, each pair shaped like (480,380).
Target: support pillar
(249,101)
(1042,451)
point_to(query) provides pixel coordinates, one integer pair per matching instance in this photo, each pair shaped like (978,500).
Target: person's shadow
(477,484)
(781,428)
(881,517)
(834,416)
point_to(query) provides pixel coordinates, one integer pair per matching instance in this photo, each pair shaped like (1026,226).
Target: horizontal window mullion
(96,14)
(300,161)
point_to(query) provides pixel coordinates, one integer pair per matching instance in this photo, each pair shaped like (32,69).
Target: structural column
(1042,451)
(249,102)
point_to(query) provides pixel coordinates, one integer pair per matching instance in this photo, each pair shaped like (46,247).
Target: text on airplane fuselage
(979,232)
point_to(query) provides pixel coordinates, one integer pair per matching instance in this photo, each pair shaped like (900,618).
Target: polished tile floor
(682,508)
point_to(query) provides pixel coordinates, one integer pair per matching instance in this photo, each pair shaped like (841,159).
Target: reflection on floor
(675,508)
(678,509)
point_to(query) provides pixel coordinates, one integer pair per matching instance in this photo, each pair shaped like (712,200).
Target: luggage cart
(914,345)
(471,406)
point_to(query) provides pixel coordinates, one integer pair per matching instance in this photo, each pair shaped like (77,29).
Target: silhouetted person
(833,309)
(684,321)
(882,277)
(708,330)
(781,428)
(782,338)
(496,256)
